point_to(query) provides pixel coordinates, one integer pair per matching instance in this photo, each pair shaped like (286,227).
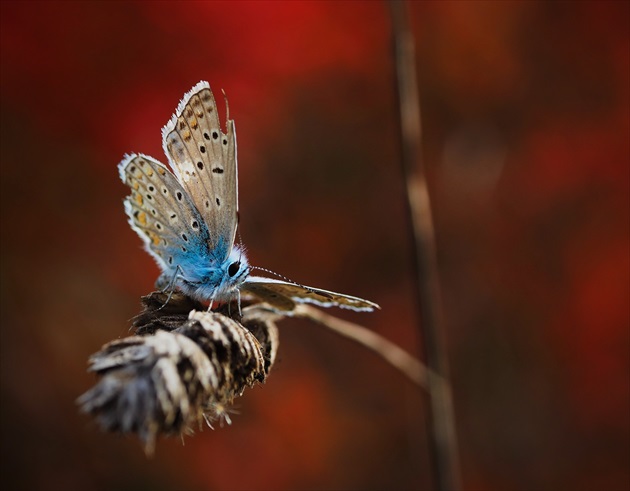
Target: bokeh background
(526,141)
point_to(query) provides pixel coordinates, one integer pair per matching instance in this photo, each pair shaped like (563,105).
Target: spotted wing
(284,295)
(204,161)
(162,214)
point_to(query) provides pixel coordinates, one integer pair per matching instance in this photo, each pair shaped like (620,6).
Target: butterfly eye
(233,268)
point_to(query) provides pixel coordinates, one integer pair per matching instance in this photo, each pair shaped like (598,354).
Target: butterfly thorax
(215,281)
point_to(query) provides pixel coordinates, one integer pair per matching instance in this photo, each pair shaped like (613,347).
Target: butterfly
(187,215)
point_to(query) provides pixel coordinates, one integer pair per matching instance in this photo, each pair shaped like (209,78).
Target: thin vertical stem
(440,420)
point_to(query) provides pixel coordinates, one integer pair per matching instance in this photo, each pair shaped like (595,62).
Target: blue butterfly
(187,218)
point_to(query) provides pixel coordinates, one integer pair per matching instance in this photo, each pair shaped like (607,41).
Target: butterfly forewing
(161,213)
(204,160)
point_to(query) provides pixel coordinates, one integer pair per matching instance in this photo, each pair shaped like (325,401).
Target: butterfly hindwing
(162,214)
(284,295)
(204,161)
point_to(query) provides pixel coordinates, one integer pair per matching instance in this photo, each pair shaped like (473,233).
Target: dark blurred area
(526,141)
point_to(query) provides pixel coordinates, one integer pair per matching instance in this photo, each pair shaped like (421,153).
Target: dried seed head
(183,365)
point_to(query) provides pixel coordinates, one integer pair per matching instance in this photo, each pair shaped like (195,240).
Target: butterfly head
(234,271)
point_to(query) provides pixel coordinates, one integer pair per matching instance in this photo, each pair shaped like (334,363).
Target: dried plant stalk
(411,367)
(184,364)
(441,418)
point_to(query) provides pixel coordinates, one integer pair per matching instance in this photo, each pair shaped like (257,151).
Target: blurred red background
(526,125)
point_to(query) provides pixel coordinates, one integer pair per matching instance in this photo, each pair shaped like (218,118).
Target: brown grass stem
(440,421)
(411,367)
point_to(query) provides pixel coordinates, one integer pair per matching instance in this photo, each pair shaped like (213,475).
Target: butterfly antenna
(273,273)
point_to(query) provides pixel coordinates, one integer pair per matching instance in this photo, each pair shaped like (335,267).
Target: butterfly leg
(238,302)
(238,298)
(170,287)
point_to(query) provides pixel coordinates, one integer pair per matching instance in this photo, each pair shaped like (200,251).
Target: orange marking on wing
(154,238)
